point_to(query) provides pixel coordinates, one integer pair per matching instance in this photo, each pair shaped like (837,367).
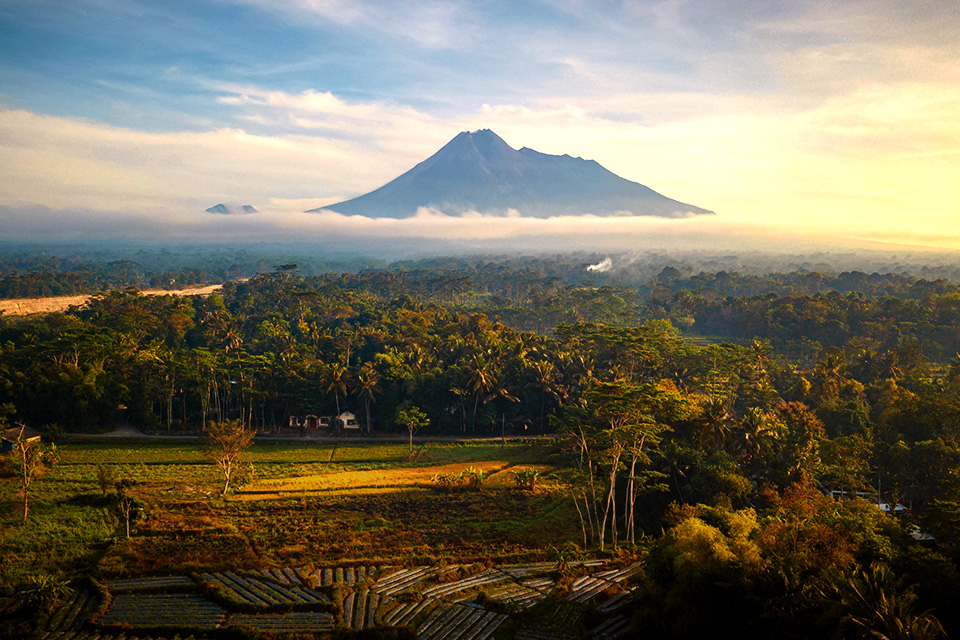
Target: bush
(470,479)
(526,479)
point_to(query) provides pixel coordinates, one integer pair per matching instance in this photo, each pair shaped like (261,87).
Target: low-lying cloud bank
(431,231)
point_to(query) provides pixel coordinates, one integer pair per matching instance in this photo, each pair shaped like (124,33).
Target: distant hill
(231,209)
(478,171)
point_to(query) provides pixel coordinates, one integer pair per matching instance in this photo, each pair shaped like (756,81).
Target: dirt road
(26,306)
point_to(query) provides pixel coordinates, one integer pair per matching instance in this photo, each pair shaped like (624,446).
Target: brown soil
(27,306)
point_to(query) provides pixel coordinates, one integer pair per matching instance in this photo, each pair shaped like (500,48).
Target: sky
(828,121)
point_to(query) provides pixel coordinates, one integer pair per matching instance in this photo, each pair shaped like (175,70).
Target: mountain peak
(479,171)
(231,209)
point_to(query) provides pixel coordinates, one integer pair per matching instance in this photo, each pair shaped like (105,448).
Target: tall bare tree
(226,442)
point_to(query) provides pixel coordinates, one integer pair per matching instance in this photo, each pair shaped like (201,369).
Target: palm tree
(546,379)
(483,378)
(368,385)
(334,381)
(879,607)
(715,423)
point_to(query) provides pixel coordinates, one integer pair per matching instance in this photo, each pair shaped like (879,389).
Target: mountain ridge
(479,171)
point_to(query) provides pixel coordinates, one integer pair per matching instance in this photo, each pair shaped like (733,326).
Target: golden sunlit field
(497,475)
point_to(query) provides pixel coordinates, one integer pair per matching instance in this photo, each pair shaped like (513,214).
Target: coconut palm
(877,606)
(334,380)
(368,385)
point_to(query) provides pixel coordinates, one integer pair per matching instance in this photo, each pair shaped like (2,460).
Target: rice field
(324,537)
(357,598)
(395,478)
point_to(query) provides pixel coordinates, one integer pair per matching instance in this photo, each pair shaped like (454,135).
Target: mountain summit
(478,171)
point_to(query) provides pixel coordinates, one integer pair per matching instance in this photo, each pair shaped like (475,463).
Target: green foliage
(876,605)
(469,479)
(43,592)
(106,477)
(526,479)
(412,419)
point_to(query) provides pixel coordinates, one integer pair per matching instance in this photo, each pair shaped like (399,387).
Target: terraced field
(449,602)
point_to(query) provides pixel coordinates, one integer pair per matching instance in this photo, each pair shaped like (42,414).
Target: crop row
(398,581)
(359,609)
(522,595)
(73,612)
(460,622)
(540,568)
(264,592)
(143,584)
(497,574)
(612,629)
(163,610)
(308,621)
(615,602)
(403,615)
(348,576)
(283,576)
(485,577)
(586,587)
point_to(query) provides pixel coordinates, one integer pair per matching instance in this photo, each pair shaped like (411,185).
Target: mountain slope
(229,209)
(478,171)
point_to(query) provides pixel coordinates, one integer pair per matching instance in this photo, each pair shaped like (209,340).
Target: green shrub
(526,479)
(470,479)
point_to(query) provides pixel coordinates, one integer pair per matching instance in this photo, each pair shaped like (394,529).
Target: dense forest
(716,409)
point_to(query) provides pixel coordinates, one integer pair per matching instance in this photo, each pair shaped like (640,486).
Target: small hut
(24,434)
(348,422)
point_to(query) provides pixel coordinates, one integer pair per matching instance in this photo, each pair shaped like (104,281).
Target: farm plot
(163,610)
(253,588)
(287,575)
(296,621)
(396,582)
(460,622)
(348,576)
(559,622)
(491,576)
(395,614)
(73,612)
(521,585)
(615,602)
(520,595)
(588,587)
(612,629)
(149,584)
(360,609)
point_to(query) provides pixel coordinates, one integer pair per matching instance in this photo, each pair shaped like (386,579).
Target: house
(346,421)
(10,436)
(309,422)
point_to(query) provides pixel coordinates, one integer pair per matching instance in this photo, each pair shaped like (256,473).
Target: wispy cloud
(431,24)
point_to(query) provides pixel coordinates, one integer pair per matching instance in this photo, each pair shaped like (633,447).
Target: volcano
(478,171)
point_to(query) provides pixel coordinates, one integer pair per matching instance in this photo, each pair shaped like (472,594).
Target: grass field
(305,505)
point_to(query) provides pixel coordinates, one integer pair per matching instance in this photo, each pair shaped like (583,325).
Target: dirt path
(26,306)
